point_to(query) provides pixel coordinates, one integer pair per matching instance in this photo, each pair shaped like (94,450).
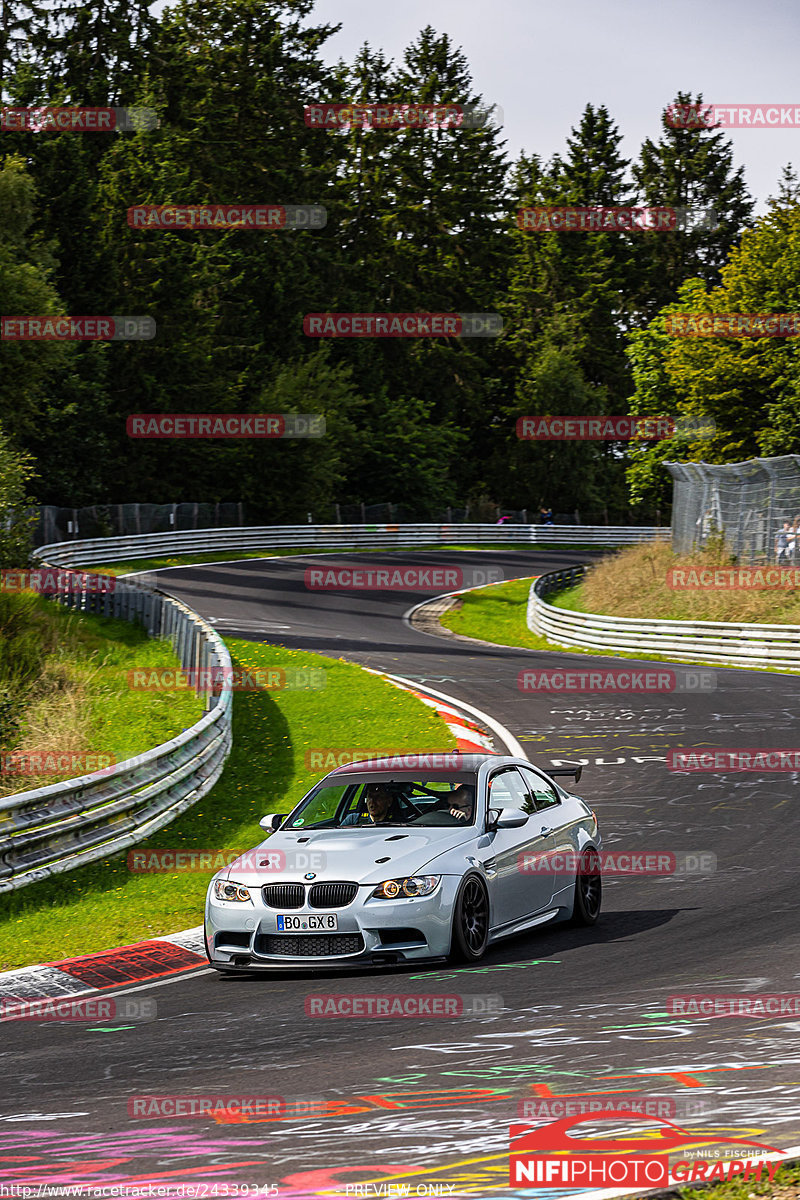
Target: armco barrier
(340,537)
(746,645)
(66,825)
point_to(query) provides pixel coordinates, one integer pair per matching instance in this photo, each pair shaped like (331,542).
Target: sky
(542,61)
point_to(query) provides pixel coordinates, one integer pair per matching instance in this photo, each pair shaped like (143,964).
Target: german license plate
(311,923)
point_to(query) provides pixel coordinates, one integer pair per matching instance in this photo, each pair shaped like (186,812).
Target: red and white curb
(464,718)
(468,735)
(137,963)
(185,951)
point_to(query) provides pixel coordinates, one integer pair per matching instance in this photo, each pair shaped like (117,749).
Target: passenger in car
(460,802)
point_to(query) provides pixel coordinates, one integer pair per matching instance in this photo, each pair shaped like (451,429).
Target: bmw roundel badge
(309,875)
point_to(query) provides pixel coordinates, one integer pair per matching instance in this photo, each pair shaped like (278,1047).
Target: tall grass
(633,583)
(64,687)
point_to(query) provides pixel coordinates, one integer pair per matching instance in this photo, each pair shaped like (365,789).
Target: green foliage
(749,387)
(418,221)
(22,653)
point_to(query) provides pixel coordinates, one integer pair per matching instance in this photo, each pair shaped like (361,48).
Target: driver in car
(381,806)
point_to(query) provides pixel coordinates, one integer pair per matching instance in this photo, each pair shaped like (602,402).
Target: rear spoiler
(575,771)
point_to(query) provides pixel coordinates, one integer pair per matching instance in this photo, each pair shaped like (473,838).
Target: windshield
(366,803)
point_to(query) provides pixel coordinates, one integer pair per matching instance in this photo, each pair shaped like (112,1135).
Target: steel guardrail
(716,642)
(66,825)
(339,537)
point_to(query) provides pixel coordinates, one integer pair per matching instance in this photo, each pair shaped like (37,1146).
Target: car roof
(434,760)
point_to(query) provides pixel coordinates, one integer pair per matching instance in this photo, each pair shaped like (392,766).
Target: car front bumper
(244,936)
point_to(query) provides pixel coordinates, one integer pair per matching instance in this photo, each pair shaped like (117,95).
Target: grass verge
(105,905)
(65,688)
(496,614)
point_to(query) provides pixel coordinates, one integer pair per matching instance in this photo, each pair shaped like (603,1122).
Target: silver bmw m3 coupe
(408,858)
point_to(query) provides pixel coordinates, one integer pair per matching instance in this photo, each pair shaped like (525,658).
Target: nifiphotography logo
(548,1156)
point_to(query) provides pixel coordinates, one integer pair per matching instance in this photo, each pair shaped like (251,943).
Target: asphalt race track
(427,1103)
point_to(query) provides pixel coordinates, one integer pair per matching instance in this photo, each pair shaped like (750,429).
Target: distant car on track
(419,857)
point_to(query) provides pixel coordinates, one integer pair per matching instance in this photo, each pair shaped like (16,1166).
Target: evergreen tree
(18,21)
(26,287)
(788,189)
(689,168)
(568,310)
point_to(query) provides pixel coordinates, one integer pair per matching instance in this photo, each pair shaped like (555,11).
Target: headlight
(415,885)
(225,890)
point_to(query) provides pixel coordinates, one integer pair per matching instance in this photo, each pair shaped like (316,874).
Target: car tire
(588,889)
(470,933)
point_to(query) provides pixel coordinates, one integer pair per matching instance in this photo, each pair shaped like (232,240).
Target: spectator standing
(782,539)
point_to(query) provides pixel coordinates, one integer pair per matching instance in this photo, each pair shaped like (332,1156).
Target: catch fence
(752,507)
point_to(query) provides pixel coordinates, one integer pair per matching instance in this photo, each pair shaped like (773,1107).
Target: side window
(506,790)
(542,794)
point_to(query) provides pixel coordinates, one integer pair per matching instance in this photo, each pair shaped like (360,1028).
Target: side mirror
(492,817)
(273,821)
(511,818)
